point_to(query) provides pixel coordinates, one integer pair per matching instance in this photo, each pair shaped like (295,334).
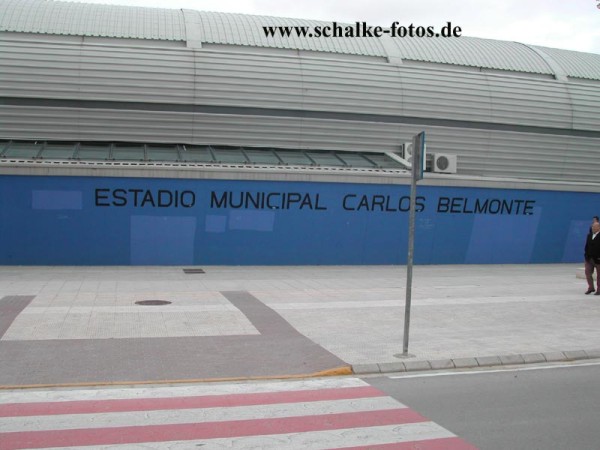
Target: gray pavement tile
(10,307)
(159,359)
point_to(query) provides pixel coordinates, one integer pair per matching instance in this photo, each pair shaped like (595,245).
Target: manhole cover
(193,271)
(153,302)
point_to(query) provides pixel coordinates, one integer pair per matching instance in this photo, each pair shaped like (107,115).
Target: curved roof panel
(56,17)
(476,52)
(81,19)
(242,29)
(576,64)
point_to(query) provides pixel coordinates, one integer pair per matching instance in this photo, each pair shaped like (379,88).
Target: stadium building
(155,136)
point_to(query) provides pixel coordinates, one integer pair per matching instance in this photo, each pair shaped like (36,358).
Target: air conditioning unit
(444,163)
(406,151)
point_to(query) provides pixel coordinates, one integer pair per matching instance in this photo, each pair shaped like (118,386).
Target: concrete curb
(480,361)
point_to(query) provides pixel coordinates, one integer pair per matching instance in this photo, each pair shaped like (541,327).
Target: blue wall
(122,221)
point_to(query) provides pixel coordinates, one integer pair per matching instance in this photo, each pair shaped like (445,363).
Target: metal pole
(409,262)
(418,166)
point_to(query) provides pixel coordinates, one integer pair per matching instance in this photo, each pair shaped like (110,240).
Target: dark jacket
(592,248)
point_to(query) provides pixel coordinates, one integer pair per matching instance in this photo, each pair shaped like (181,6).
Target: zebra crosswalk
(304,414)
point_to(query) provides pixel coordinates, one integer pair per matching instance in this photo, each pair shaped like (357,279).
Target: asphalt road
(523,408)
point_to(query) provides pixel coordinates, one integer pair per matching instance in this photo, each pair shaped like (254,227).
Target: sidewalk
(81,325)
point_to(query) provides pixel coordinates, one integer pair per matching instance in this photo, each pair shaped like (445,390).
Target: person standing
(595,219)
(592,258)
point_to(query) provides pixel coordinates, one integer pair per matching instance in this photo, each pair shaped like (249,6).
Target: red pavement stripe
(453,443)
(204,401)
(207,430)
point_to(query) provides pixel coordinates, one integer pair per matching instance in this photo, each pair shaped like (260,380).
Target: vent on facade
(444,163)
(190,271)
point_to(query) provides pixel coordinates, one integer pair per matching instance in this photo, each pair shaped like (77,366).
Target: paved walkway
(77,325)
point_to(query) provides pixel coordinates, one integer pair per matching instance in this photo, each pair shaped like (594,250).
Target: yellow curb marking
(336,371)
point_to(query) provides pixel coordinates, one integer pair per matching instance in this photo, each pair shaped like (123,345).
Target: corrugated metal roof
(56,17)
(576,64)
(241,29)
(81,19)
(476,52)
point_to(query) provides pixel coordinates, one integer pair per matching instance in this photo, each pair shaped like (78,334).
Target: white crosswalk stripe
(414,432)
(25,396)
(312,414)
(163,417)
